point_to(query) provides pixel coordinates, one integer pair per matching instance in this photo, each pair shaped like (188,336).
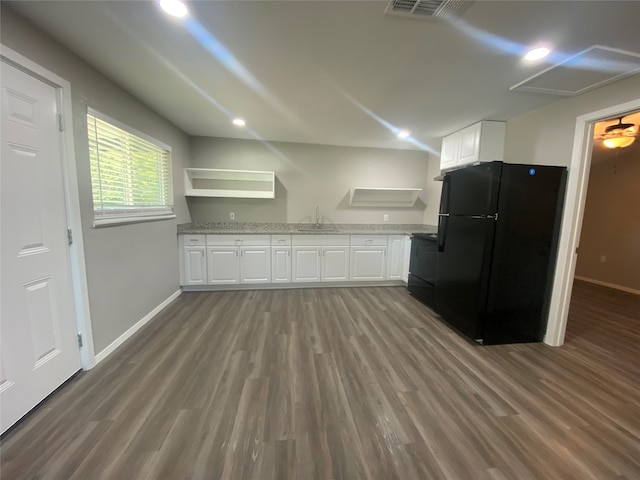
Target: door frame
(72,198)
(577,183)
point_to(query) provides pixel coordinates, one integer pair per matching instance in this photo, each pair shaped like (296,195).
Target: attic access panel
(589,69)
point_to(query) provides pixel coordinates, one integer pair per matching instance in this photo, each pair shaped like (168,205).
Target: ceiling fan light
(618,142)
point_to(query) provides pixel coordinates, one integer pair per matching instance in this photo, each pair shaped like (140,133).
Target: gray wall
(130,269)
(545,136)
(611,224)
(308,176)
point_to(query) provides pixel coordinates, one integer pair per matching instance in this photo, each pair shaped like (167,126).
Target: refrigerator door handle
(442,230)
(444,196)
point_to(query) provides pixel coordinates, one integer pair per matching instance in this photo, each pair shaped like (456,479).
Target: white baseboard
(141,323)
(606,284)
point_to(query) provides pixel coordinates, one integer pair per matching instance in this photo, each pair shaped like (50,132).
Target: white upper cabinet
(480,142)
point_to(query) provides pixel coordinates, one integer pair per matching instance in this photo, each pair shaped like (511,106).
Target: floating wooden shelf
(383,197)
(209,182)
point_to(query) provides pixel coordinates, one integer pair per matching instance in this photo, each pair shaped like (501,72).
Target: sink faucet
(317,215)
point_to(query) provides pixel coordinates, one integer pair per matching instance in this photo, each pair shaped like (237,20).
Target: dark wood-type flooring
(353,383)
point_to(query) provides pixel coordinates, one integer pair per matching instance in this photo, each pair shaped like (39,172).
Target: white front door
(39,348)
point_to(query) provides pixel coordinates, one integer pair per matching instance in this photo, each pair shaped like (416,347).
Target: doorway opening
(579,170)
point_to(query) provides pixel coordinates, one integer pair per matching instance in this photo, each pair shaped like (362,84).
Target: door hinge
(60,122)
(70,236)
(80,340)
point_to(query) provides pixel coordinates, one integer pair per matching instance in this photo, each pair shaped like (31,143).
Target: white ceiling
(330,72)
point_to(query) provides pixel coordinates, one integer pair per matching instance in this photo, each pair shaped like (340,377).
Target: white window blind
(130,174)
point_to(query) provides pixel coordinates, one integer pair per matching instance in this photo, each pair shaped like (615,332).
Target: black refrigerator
(497,239)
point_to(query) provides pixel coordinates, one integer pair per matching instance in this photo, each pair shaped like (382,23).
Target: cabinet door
(255,264)
(223,265)
(395,257)
(305,264)
(335,264)
(195,266)
(449,153)
(469,144)
(368,263)
(281,264)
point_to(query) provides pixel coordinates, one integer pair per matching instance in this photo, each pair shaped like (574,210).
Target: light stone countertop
(304,228)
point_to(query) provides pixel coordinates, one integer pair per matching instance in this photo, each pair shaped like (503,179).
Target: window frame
(123,217)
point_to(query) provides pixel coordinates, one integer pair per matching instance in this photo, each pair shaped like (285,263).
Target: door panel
(38,324)
(255,264)
(368,263)
(463,271)
(306,264)
(223,265)
(469,144)
(195,265)
(395,260)
(473,190)
(280,264)
(335,264)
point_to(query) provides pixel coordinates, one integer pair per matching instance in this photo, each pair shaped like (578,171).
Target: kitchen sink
(316,229)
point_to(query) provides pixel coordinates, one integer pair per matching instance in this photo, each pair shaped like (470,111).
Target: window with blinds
(130,173)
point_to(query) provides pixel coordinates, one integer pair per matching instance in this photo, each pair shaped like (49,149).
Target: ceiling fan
(619,135)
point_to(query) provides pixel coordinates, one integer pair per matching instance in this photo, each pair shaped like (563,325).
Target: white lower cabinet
(223,265)
(281,264)
(406,255)
(225,259)
(335,264)
(195,265)
(193,260)
(233,259)
(395,257)
(368,257)
(368,263)
(305,265)
(320,258)
(255,264)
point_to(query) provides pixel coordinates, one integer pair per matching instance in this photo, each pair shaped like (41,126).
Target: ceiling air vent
(428,8)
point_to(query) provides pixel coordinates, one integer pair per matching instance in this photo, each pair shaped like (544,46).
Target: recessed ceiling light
(238,122)
(174,8)
(537,53)
(403,134)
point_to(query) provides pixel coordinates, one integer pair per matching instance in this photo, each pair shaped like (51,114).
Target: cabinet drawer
(280,240)
(193,240)
(369,240)
(320,240)
(238,240)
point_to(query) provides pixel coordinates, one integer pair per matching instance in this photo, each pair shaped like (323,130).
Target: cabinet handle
(236,253)
(288,253)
